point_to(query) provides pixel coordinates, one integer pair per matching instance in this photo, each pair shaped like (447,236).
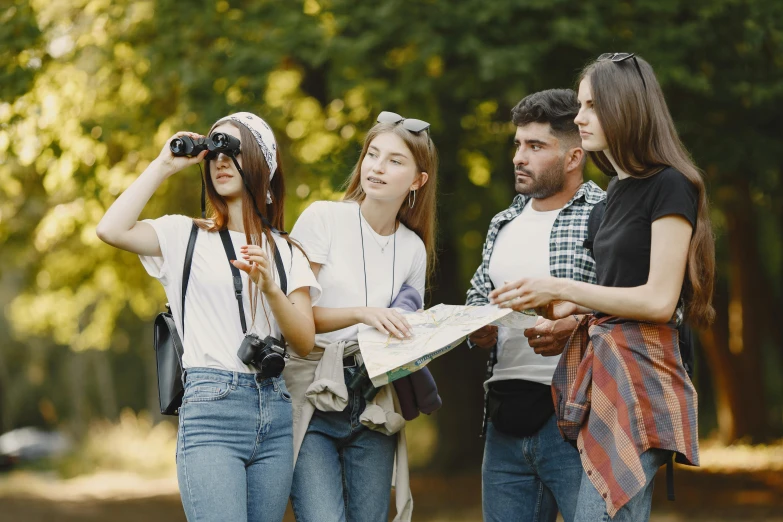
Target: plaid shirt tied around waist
(620,389)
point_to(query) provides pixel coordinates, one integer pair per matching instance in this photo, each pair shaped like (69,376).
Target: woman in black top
(655,263)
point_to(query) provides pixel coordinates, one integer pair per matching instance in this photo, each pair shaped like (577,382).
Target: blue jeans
(235,449)
(344,470)
(528,478)
(591,506)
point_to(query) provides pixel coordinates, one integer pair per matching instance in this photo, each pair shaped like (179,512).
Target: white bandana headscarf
(264,136)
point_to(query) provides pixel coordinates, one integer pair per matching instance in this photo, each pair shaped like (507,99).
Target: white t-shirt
(213,331)
(329,232)
(522,250)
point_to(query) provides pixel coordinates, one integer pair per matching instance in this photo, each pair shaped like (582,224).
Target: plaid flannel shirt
(568,258)
(619,389)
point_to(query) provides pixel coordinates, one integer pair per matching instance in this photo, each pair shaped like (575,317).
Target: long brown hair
(642,140)
(422,217)
(257,173)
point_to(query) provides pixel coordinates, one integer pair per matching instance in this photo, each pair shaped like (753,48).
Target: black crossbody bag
(168,345)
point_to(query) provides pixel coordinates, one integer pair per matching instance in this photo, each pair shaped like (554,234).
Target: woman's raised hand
(255,262)
(171,164)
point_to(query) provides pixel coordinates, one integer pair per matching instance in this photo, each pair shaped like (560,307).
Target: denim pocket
(203,391)
(283,391)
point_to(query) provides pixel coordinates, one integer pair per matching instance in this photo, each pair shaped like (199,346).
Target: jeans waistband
(252,380)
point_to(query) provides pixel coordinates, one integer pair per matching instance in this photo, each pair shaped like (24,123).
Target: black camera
(360,381)
(267,355)
(218,142)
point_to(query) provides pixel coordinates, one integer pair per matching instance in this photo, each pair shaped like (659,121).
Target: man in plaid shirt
(529,471)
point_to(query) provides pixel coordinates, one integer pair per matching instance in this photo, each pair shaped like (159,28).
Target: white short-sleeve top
(213,331)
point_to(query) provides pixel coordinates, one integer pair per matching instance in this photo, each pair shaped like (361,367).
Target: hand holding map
(435,332)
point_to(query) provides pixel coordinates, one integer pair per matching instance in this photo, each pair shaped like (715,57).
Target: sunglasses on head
(411,124)
(621,57)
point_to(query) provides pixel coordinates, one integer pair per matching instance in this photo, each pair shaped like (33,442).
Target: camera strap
(228,246)
(253,198)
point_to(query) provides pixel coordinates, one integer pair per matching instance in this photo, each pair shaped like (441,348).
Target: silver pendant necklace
(382,246)
(364,259)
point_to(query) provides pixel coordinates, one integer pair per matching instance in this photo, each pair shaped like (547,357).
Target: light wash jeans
(526,479)
(591,506)
(235,447)
(344,469)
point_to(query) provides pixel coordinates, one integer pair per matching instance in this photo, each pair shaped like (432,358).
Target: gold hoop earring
(411,204)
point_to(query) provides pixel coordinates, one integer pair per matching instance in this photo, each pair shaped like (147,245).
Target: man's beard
(545,184)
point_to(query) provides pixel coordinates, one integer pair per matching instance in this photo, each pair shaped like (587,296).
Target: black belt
(349,361)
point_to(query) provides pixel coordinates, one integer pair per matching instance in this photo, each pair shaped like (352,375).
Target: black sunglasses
(621,57)
(411,124)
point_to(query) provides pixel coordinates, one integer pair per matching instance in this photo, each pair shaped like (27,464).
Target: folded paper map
(435,332)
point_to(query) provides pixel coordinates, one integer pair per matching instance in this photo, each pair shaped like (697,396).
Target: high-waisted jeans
(344,469)
(234,447)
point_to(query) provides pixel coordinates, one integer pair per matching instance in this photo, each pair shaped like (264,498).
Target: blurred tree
(92,88)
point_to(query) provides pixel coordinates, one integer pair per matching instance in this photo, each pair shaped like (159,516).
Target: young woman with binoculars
(235,444)
(362,250)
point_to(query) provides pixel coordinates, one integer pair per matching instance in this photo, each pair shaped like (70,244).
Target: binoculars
(361,382)
(218,142)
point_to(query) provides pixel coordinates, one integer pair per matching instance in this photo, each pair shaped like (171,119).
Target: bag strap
(186,272)
(686,348)
(228,246)
(594,223)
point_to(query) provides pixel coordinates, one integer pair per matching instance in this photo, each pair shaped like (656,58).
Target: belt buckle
(350,360)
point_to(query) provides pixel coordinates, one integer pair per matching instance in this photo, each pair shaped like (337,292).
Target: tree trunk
(459,374)
(733,343)
(76,380)
(5,418)
(105,381)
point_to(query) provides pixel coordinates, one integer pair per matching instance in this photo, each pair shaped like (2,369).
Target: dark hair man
(529,471)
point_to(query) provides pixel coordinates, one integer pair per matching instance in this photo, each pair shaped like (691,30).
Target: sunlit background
(91,89)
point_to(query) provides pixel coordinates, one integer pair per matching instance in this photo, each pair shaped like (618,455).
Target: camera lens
(272,365)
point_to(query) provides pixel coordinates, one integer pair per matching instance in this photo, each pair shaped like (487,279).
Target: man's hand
(485,337)
(548,338)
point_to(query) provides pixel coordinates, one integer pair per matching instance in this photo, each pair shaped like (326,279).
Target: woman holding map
(362,250)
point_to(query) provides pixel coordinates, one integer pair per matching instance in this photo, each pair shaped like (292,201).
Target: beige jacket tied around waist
(317,381)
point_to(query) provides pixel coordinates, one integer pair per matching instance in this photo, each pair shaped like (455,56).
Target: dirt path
(701,497)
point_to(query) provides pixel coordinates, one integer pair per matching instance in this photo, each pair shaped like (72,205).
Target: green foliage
(91,89)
